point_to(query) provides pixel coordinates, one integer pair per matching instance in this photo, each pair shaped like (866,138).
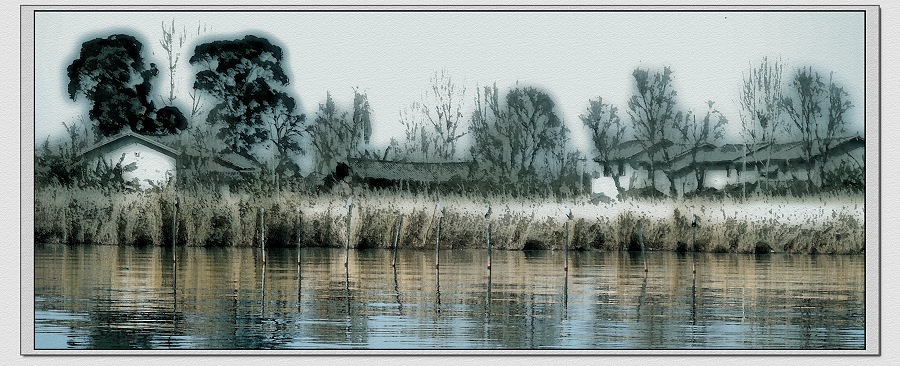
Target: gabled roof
(793,151)
(126,138)
(409,171)
(633,151)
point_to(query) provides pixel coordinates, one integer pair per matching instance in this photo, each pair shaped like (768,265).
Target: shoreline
(833,224)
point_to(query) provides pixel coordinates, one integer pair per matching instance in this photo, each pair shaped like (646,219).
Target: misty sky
(575,56)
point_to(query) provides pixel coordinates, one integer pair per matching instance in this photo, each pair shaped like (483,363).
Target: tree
(337,136)
(170,120)
(168,43)
(656,123)
(710,129)
(246,77)
(515,139)
(110,72)
(607,134)
(489,128)
(285,129)
(761,108)
(818,131)
(431,126)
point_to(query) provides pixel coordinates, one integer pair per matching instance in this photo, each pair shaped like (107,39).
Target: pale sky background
(575,56)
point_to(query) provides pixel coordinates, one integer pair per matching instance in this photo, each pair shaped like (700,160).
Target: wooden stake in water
(349,221)
(437,245)
(174,227)
(569,217)
(396,242)
(641,240)
(487,217)
(262,232)
(298,232)
(693,242)
(566,244)
(490,246)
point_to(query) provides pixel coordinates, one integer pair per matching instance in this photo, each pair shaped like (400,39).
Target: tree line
(240,104)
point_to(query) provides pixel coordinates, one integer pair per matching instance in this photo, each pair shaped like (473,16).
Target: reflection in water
(105,297)
(437,293)
(487,302)
(397,290)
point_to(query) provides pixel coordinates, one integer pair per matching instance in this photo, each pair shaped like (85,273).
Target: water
(107,297)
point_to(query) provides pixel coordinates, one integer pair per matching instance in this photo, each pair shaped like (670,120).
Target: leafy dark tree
(519,140)
(110,72)
(607,134)
(489,127)
(170,120)
(696,134)
(360,128)
(245,76)
(656,122)
(817,111)
(337,135)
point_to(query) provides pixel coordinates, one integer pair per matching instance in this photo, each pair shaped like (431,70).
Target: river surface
(116,297)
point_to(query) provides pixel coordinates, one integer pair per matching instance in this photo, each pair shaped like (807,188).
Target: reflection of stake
(487,304)
(263,308)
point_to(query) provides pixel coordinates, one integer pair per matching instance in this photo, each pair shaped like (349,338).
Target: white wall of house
(715,178)
(150,165)
(632,179)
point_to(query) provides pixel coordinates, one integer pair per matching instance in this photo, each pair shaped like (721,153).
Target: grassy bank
(832,224)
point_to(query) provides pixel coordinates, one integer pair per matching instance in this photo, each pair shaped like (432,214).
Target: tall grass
(825,224)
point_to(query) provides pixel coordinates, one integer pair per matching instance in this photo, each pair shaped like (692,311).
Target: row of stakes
(569,216)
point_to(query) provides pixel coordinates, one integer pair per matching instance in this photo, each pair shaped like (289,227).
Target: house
(386,173)
(628,161)
(147,163)
(724,166)
(788,161)
(221,170)
(144,161)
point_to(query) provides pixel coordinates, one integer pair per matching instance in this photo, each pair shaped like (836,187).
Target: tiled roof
(409,171)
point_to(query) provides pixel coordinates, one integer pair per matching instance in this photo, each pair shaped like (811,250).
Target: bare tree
(432,125)
(172,43)
(696,134)
(656,123)
(607,134)
(761,108)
